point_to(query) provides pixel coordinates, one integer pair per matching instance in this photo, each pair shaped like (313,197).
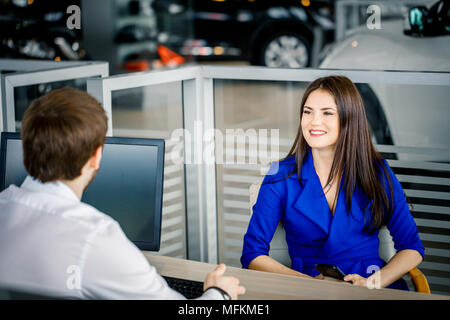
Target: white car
(406,115)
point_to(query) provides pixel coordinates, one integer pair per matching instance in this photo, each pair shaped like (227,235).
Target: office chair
(279,250)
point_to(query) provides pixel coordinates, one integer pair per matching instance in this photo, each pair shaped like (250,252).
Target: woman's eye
(328,113)
(306,111)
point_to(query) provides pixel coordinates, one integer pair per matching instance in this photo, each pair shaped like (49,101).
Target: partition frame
(66,71)
(24,65)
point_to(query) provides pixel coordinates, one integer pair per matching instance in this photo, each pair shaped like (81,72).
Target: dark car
(38,30)
(275,33)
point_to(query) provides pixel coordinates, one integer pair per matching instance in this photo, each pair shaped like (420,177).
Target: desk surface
(264,285)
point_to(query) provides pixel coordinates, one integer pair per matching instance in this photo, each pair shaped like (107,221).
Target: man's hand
(229,284)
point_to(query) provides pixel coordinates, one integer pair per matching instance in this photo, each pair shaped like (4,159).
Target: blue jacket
(313,234)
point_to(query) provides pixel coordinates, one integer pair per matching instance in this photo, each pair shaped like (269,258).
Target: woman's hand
(322,277)
(356,279)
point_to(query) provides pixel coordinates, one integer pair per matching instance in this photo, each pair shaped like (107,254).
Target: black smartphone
(330,270)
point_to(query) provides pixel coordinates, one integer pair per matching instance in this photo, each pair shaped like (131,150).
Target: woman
(332,193)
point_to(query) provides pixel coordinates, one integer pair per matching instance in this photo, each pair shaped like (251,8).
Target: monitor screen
(128,186)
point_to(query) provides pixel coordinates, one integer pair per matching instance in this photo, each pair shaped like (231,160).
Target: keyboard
(188,288)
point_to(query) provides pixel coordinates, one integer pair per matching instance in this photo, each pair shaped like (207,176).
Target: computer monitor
(128,186)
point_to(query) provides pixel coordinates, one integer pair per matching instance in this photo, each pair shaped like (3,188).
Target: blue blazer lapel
(346,225)
(311,201)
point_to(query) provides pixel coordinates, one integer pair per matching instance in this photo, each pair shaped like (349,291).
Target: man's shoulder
(55,207)
(86,213)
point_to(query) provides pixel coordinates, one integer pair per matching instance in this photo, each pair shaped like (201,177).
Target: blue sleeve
(401,224)
(267,212)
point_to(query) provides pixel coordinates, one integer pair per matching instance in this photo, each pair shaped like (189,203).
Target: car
(270,33)
(38,30)
(413,44)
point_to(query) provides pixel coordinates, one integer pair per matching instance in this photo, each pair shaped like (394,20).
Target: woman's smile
(317,133)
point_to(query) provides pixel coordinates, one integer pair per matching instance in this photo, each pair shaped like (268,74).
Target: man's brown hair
(60,132)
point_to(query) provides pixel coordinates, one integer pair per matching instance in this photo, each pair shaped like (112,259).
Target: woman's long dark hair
(355,157)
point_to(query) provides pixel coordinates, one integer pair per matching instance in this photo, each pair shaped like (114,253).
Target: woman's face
(320,120)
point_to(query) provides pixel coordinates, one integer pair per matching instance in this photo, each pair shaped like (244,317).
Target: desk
(264,285)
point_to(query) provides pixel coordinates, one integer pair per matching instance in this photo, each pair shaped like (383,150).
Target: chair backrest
(278,246)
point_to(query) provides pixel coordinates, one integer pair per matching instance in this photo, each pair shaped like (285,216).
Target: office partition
(151,105)
(8,66)
(28,80)
(236,120)
(24,65)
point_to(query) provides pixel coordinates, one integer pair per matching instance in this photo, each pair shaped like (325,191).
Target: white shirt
(53,244)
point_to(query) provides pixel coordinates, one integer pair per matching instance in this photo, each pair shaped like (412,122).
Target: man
(51,243)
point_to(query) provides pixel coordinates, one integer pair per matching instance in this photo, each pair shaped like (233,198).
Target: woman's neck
(323,160)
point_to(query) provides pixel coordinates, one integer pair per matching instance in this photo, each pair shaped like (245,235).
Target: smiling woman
(334,106)
(332,193)
(320,128)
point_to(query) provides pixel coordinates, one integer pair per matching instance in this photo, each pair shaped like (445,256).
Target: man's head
(61,132)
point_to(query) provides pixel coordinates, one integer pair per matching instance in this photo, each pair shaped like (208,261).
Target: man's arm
(114,268)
